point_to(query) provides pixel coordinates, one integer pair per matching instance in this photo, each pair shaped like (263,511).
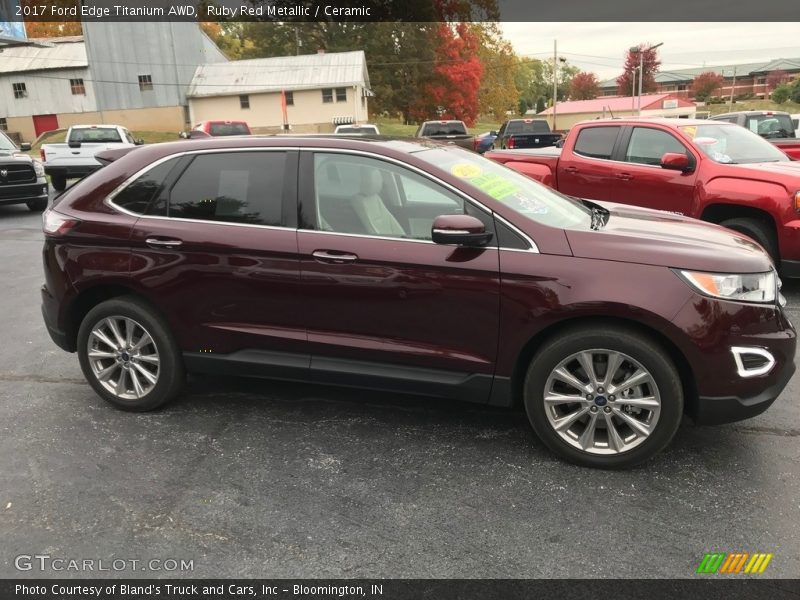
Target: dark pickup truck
(22,179)
(525,133)
(449,132)
(775,126)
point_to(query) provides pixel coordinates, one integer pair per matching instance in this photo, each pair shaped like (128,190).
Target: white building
(321,90)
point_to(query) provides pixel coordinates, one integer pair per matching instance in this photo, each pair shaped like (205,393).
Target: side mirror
(25,147)
(493,132)
(139,142)
(184,135)
(675,161)
(460,230)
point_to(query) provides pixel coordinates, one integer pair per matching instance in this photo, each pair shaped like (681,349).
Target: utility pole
(733,88)
(555,81)
(633,90)
(641,52)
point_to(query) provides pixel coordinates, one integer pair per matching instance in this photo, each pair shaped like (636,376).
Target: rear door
(217,251)
(587,169)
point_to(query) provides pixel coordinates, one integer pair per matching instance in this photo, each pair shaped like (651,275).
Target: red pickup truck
(714,171)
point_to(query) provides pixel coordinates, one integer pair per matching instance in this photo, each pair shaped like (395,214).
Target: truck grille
(14,174)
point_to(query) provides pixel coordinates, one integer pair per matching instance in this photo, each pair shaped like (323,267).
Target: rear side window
(596,142)
(138,194)
(234,187)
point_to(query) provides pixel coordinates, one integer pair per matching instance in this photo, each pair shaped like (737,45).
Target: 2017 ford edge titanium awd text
(415,267)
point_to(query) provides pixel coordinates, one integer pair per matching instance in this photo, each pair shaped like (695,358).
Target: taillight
(41,154)
(510,144)
(797,201)
(55,224)
(475,143)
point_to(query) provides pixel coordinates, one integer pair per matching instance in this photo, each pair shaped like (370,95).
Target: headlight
(745,287)
(38,168)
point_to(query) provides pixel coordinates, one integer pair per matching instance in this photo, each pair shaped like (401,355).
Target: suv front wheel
(603,397)
(128,355)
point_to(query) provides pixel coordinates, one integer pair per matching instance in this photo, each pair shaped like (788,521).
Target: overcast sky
(600,47)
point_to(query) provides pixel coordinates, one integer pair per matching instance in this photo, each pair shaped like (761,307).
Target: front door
(382,301)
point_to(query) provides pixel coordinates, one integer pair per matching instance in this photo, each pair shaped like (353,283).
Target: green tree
(781,93)
(498,91)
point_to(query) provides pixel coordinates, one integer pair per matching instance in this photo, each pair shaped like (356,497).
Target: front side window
(360,195)
(596,142)
(647,146)
(234,187)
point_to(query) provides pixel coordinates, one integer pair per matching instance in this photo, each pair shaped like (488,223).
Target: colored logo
(737,562)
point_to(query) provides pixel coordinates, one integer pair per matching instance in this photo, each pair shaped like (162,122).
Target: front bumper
(23,192)
(711,410)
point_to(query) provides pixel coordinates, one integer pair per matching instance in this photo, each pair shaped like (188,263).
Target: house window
(341,94)
(682,87)
(145,83)
(3,124)
(244,101)
(761,81)
(327,95)
(289,98)
(77,87)
(20,91)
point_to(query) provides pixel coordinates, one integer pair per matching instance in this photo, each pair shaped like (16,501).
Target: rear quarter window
(137,195)
(596,142)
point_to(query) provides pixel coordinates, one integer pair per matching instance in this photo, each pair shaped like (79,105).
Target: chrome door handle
(163,243)
(570,169)
(330,257)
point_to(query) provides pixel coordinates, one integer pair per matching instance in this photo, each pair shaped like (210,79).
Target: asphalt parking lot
(262,479)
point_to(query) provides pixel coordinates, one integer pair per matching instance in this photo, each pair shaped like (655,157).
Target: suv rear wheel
(603,397)
(129,356)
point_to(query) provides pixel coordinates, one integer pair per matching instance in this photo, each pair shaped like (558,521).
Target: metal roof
(742,70)
(307,71)
(598,105)
(59,53)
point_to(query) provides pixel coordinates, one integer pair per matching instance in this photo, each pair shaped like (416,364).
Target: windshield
(731,144)
(771,126)
(6,144)
(524,196)
(99,135)
(229,129)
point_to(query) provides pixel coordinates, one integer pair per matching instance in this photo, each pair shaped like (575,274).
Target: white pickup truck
(75,157)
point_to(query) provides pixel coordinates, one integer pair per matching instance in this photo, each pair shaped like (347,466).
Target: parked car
(709,170)
(356,129)
(22,179)
(449,132)
(483,141)
(525,133)
(222,128)
(75,158)
(428,269)
(775,126)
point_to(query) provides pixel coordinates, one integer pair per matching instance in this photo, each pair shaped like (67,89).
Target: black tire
(37,205)
(59,183)
(759,231)
(171,373)
(640,348)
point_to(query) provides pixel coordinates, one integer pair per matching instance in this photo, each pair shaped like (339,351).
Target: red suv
(392,265)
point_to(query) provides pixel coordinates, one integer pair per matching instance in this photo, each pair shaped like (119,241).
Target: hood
(15,156)
(780,172)
(644,236)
